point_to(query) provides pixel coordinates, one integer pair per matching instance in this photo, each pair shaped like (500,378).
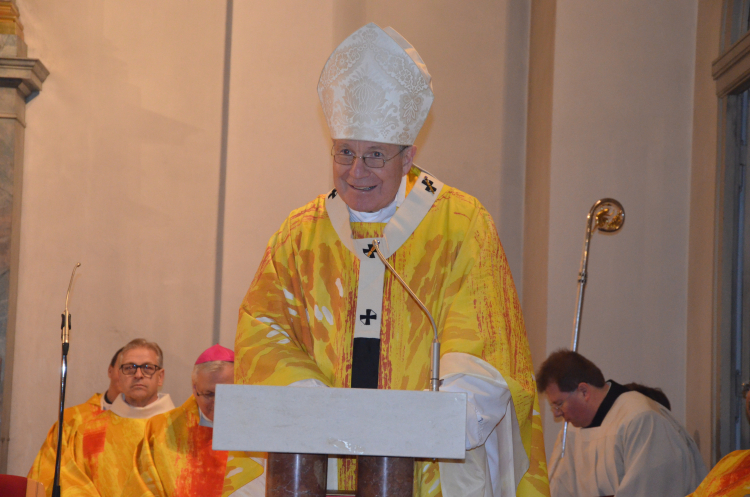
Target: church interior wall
(621,127)
(278,148)
(121,174)
(123,166)
(703,227)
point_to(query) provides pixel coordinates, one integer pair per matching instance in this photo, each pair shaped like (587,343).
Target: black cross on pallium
(367,316)
(427,182)
(332,194)
(367,251)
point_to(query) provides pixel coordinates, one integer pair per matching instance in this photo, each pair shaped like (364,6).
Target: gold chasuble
(316,290)
(175,459)
(43,469)
(99,459)
(729,478)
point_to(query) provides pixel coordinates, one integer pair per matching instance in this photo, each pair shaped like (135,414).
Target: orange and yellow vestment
(298,318)
(99,458)
(175,459)
(43,469)
(729,478)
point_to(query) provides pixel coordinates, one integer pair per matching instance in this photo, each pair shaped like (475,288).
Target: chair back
(19,486)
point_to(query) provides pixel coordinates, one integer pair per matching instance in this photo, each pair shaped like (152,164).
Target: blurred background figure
(656,394)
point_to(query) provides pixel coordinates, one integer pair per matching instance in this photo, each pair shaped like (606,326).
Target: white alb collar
(204,420)
(125,410)
(105,406)
(383,215)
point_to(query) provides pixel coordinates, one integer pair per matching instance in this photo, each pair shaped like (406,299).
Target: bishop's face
(367,189)
(204,387)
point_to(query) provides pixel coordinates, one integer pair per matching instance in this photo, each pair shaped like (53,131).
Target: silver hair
(142,343)
(209,367)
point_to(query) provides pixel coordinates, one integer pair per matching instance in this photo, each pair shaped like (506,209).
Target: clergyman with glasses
(323,311)
(99,458)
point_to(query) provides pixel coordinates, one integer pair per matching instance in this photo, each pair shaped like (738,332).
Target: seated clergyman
(175,458)
(99,458)
(43,469)
(620,442)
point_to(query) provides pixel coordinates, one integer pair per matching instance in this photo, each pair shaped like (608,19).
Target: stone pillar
(20,80)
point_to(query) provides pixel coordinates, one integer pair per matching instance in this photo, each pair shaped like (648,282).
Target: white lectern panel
(348,421)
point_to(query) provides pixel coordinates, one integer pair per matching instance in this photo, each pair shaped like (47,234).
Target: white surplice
(639,450)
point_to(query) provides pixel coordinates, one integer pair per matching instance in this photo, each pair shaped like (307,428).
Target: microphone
(65,337)
(65,326)
(435,365)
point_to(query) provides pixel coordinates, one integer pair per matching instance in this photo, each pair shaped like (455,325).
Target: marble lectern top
(347,421)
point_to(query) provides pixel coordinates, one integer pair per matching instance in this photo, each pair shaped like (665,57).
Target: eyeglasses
(371,160)
(148,370)
(558,406)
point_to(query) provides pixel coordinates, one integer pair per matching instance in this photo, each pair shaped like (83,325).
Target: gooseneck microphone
(65,337)
(435,365)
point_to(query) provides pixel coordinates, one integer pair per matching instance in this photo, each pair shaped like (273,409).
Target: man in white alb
(620,443)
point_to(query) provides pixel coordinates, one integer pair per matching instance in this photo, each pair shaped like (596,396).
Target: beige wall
(121,174)
(278,145)
(537,188)
(621,127)
(701,250)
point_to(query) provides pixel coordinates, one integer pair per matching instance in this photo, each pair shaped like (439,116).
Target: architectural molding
(27,75)
(20,79)
(732,69)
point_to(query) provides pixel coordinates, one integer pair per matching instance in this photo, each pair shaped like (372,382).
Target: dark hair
(114,358)
(655,394)
(568,369)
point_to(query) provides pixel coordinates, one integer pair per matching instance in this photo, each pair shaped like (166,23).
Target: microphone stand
(63,378)
(435,365)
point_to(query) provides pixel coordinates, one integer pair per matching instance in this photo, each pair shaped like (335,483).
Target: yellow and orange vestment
(729,478)
(298,318)
(175,459)
(43,469)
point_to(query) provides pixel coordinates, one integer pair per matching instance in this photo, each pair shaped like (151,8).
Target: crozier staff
(321,311)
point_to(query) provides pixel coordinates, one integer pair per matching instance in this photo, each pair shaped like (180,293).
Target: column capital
(26,75)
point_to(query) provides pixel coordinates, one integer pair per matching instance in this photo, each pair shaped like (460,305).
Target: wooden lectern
(300,427)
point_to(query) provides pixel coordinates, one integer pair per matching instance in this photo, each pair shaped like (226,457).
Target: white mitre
(375,87)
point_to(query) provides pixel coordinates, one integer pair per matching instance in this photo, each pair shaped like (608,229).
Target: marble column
(21,80)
